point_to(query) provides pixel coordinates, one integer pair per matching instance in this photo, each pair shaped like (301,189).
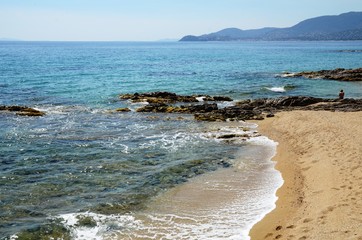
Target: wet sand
(223,204)
(320,158)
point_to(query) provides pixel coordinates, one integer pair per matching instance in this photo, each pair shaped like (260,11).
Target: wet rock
(258,109)
(86,221)
(216,98)
(210,117)
(224,164)
(339,74)
(282,102)
(123,110)
(158,97)
(255,109)
(168,97)
(22,111)
(229,113)
(164,108)
(270,115)
(233,135)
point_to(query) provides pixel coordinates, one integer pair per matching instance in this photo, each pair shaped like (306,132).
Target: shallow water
(84,158)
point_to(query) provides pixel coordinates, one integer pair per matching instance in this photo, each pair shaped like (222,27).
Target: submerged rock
(22,111)
(339,74)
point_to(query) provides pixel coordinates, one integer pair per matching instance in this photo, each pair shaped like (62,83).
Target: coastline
(319,156)
(221,204)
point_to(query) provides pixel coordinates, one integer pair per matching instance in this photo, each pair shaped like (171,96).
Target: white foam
(200,99)
(251,195)
(171,142)
(226,104)
(64,110)
(277,89)
(262,140)
(106,225)
(286,75)
(243,131)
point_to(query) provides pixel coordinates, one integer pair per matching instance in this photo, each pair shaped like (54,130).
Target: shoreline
(319,157)
(221,204)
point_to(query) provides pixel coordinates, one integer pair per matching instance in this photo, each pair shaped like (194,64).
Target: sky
(152,20)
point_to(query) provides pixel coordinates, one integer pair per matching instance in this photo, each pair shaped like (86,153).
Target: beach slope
(320,158)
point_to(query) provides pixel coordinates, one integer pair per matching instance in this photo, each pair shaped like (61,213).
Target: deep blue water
(82,156)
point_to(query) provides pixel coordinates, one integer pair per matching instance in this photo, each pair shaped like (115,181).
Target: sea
(86,171)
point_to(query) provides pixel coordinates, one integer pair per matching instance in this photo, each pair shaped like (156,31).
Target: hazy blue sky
(147,20)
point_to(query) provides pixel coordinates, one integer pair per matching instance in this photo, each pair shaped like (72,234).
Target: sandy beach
(320,158)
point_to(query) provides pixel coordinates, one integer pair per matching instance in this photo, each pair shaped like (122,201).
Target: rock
(216,99)
(123,110)
(224,164)
(277,103)
(158,97)
(210,117)
(168,97)
(207,107)
(231,113)
(339,74)
(233,135)
(31,114)
(153,107)
(22,111)
(164,108)
(256,109)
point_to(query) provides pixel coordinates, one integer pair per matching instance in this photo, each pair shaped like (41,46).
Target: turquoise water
(82,157)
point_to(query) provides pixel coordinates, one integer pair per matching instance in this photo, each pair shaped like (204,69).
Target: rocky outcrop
(158,97)
(164,108)
(339,74)
(258,109)
(229,113)
(22,111)
(168,97)
(251,109)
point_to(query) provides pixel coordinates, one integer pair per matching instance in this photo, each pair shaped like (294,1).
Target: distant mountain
(347,26)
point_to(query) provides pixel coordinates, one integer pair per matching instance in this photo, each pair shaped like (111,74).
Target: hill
(346,26)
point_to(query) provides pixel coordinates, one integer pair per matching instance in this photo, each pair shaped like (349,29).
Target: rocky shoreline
(205,108)
(257,109)
(339,74)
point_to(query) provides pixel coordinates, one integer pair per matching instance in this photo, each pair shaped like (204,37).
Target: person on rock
(341,94)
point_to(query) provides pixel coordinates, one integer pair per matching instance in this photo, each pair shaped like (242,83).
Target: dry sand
(320,158)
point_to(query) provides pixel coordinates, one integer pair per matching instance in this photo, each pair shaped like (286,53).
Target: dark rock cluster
(22,111)
(258,109)
(251,109)
(167,97)
(339,74)
(161,107)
